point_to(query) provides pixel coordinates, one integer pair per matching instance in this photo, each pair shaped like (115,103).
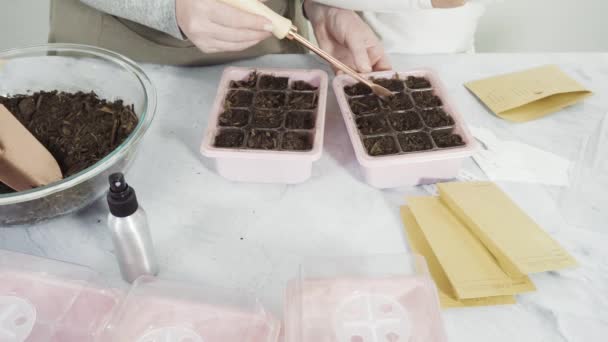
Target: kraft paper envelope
(516,241)
(446,294)
(529,94)
(470,267)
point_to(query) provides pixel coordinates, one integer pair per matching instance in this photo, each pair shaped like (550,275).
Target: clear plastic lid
(157,310)
(47,300)
(584,203)
(369,299)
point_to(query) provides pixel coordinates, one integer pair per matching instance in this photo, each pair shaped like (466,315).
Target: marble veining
(253,236)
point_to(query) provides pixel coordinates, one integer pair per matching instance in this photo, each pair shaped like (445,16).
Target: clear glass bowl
(70,67)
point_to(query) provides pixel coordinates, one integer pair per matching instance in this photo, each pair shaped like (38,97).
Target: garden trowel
(24,162)
(283,28)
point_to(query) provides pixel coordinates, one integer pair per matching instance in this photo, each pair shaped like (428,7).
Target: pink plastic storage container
(44,300)
(371,299)
(158,310)
(407,168)
(266,166)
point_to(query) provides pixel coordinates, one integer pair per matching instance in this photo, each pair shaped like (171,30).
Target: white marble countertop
(253,236)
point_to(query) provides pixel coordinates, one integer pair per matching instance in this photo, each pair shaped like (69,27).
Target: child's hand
(344,35)
(448,3)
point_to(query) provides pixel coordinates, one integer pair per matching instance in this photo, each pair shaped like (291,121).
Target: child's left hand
(344,35)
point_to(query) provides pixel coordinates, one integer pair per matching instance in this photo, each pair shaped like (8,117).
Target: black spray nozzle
(121,197)
(117,182)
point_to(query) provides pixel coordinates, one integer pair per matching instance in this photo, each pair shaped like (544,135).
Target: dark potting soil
(400,101)
(392,84)
(357,89)
(269,82)
(234,117)
(300,120)
(375,117)
(78,129)
(230,138)
(239,98)
(296,141)
(414,82)
(412,142)
(297,100)
(265,111)
(267,118)
(248,82)
(302,86)
(263,139)
(407,121)
(447,139)
(436,117)
(269,100)
(365,104)
(426,99)
(372,124)
(378,146)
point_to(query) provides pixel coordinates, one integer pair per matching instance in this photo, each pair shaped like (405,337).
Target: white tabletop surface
(253,236)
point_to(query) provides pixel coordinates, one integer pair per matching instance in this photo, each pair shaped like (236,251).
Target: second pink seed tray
(407,168)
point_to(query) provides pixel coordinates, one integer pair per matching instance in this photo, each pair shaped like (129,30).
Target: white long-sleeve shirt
(415,27)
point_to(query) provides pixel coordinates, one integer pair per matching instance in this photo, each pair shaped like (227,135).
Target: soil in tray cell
(365,105)
(300,120)
(302,86)
(296,141)
(378,146)
(78,129)
(436,118)
(269,100)
(373,124)
(392,84)
(267,118)
(263,139)
(412,142)
(414,82)
(229,138)
(238,98)
(426,99)
(357,89)
(234,117)
(269,82)
(400,101)
(249,82)
(446,138)
(301,100)
(406,121)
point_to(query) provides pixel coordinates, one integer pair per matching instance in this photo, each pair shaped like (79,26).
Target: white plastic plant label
(171,334)
(17,319)
(371,318)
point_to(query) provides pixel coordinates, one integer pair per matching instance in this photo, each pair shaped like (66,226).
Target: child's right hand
(448,3)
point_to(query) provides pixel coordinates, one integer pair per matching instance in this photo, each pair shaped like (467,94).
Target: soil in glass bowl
(78,129)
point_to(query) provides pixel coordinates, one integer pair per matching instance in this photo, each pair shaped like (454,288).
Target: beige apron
(74,22)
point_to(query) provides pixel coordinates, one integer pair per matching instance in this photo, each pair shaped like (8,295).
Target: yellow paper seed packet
(419,245)
(529,94)
(470,267)
(519,245)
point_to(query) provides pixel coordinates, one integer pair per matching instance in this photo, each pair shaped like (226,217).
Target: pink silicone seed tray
(407,168)
(260,166)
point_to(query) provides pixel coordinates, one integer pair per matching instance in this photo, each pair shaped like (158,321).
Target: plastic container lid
(158,310)
(46,300)
(371,299)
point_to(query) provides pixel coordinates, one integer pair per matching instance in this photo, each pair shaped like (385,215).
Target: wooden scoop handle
(281,25)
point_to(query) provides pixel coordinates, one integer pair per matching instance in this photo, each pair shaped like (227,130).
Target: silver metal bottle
(128,226)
